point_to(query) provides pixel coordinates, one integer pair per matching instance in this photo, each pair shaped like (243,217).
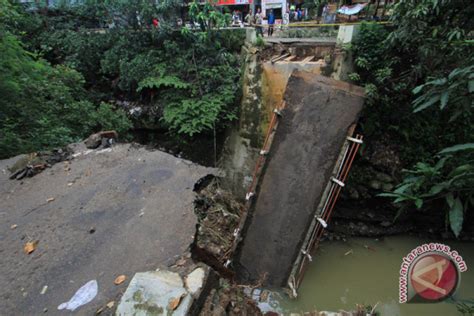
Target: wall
(263,88)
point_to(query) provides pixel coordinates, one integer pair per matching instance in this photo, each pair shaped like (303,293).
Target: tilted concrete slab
(307,143)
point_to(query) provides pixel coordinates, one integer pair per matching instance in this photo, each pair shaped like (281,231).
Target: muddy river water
(366,271)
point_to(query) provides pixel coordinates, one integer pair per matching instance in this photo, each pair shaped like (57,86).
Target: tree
(41,106)
(419,81)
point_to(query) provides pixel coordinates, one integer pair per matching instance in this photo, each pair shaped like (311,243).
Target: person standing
(235,18)
(292,12)
(249,18)
(325,13)
(259,22)
(271,22)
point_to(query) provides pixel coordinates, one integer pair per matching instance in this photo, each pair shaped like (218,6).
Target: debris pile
(229,299)
(36,162)
(219,215)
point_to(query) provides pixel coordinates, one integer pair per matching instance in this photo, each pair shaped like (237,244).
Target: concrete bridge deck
(307,143)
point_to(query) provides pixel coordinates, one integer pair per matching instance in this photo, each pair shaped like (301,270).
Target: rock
(93,141)
(386,224)
(149,293)
(387,187)
(194,281)
(375,184)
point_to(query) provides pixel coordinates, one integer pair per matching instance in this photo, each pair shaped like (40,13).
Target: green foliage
(174,74)
(41,106)
(260,42)
(188,80)
(457,148)
(109,118)
(159,79)
(446,179)
(192,116)
(423,64)
(465,308)
(456,90)
(207,16)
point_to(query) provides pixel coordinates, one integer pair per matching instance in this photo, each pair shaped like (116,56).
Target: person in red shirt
(156,23)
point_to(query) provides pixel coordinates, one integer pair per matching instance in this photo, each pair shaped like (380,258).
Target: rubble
(104,139)
(32,164)
(229,299)
(165,292)
(219,215)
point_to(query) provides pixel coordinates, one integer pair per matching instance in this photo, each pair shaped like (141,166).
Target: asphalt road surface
(116,211)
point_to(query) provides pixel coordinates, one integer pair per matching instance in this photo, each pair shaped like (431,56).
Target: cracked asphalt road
(137,202)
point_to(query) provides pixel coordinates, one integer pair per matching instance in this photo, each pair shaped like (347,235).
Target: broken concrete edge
(248,206)
(211,281)
(249,262)
(166,291)
(188,285)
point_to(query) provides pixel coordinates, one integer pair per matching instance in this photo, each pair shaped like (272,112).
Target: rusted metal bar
(315,226)
(344,177)
(325,208)
(335,189)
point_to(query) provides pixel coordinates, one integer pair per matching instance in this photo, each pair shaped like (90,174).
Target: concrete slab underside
(309,138)
(139,202)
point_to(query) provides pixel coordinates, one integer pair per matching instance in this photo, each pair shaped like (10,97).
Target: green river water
(366,271)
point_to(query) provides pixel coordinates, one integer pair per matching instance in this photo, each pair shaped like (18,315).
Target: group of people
(257,20)
(296,14)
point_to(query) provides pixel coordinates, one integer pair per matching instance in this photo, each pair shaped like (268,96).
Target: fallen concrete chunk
(150,293)
(195,280)
(95,140)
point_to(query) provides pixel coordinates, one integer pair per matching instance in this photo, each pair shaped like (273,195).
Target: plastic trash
(82,296)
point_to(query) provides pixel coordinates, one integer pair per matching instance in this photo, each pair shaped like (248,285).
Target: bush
(43,106)
(419,80)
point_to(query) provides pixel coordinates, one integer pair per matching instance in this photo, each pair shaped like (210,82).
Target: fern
(164,81)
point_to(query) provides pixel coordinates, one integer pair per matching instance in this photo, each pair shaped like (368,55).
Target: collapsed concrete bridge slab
(301,161)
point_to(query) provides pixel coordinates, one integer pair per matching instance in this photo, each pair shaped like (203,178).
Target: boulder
(95,140)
